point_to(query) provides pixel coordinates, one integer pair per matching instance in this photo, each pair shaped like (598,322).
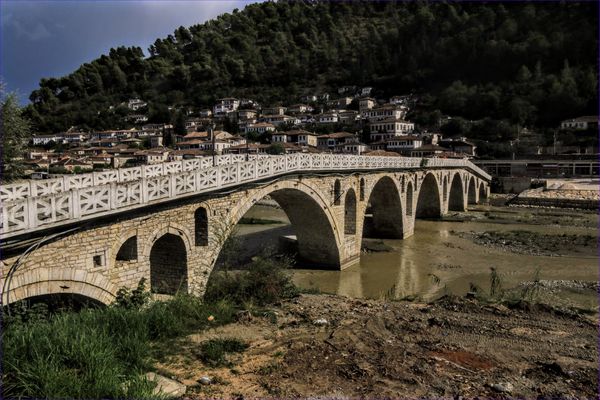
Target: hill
(529,63)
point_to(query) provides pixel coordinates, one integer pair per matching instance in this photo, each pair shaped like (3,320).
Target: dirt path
(368,348)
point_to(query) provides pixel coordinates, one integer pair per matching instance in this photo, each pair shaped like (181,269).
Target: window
(98,260)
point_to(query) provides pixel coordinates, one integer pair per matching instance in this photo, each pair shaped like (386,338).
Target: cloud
(38,33)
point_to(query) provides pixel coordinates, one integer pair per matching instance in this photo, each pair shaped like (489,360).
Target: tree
(15,135)
(276,148)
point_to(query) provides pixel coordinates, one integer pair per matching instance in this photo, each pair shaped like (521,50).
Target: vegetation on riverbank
(104,352)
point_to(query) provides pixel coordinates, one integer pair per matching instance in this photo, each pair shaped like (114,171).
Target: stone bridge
(91,234)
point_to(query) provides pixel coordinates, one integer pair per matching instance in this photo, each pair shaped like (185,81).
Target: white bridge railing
(38,204)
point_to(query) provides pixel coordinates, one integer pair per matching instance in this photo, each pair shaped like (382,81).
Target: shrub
(214,352)
(266,281)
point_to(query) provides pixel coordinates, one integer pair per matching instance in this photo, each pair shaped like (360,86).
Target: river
(437,260)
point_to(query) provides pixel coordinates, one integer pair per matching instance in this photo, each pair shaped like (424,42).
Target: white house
(389,128)
(41,140)
(225,105)
(260,127)
(328,118)
(136,104)
(366,103)
(403,144)
(580,123)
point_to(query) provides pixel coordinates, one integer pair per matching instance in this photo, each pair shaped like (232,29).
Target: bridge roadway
(90,234)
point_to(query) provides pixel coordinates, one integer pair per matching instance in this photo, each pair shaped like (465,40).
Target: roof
(585,118)
(295,132)
(431,147)
(194,135)
(381,153)
(337,135)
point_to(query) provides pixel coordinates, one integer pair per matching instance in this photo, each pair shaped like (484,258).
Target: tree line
(530,64)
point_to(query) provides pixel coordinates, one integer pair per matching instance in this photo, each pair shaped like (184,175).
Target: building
(226,105)
(137,118)
(299,137)
(280,119)
(460,145)
(383,112)
(328,118)
(299,109)
(388,128)
(366,91)
(136,104)
(580,123)
(351,147)
(428,150)
(311,98)
(245,115)
(206,113)
(276,110)
(260,127)
(42,140)
(403,144)
(366,104)
(330,141)
(348,116)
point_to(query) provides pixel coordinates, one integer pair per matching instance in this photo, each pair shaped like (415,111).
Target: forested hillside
(531,64)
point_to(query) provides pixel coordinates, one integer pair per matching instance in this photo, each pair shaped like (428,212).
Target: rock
(321,321)
(165,386)
(205,380)
(505,387)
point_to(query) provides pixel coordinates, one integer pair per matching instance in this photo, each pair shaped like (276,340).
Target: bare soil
(368,348)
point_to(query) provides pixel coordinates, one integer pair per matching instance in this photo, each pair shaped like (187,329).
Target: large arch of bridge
(385,209)
(318,233)
(428,200)
(456,199)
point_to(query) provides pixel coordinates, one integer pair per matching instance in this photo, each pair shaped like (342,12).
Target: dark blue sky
(52,38)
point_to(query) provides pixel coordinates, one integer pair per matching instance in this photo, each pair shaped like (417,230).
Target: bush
(266,281)
(214,352)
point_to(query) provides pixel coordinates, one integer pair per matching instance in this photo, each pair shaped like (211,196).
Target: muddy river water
(437,259)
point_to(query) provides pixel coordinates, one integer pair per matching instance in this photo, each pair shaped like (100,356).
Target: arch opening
(457,197)
(383,218)
(482,192)
(201,227)
(168,265)
(428,202)
(350,213)
(128,250)
(472,196)
(286,221)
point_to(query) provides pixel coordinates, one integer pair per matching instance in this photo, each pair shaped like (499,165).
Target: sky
(51,38)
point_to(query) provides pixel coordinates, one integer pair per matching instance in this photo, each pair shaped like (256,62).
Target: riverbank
(333,346)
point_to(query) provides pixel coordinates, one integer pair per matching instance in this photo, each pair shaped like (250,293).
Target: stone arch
(457,197)
(482,192)
(128,250)
(174,230)
(350,213)
(409,198)
(385,206)
(337,192)
(318,234)
(168,265)
(201,227)
(428,201)
(472,195)
(93,285)
(125,240)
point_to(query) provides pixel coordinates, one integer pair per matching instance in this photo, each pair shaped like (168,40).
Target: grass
(214,352)
(98,353)
(105,352)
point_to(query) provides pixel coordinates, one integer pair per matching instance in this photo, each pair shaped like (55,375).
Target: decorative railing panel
(32,204)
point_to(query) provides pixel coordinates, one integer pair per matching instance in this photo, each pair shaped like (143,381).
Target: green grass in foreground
(105,352)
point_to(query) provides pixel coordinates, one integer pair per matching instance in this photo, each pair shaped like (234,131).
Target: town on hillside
(354,123)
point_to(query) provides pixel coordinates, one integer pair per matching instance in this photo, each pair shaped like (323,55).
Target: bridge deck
(35,205)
